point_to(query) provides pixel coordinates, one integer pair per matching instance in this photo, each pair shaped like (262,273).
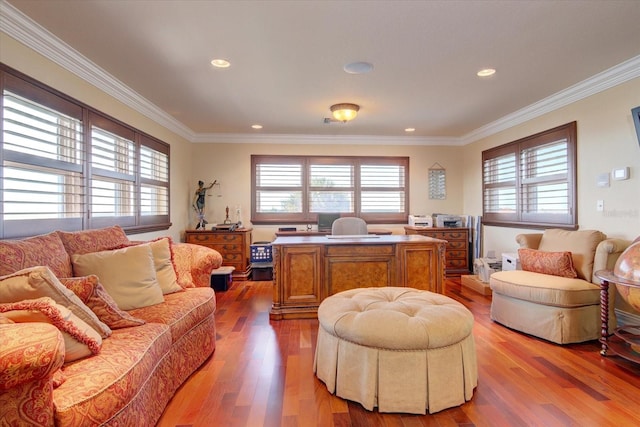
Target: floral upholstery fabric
(93,294)
(30,355)
(139,367)
(88,241)
(181,311)
(553,263)
(16,255)
(126,362)
(194,264)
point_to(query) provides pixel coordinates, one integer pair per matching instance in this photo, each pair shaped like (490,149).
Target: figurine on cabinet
(199,202)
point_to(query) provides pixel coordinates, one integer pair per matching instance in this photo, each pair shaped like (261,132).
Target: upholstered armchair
(556,295)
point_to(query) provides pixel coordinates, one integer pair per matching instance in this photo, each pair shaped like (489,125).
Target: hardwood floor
(261,375)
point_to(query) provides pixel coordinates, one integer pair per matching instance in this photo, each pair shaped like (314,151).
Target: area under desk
(307,269)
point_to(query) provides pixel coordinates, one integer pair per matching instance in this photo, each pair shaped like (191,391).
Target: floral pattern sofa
(137,358)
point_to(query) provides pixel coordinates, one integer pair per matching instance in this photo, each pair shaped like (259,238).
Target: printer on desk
(421,220)
(449,221)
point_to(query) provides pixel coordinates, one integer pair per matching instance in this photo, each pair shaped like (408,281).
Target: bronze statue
(199,202)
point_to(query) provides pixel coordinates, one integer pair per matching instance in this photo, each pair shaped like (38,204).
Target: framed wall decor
(437,182)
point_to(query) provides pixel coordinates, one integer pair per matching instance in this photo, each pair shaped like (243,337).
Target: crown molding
(621,73)
(19,26)
(28,32)
(302,139)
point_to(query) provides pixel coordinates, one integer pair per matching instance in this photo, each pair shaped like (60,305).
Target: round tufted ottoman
(397,349)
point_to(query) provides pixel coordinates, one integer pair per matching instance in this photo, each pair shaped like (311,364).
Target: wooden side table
(624,337)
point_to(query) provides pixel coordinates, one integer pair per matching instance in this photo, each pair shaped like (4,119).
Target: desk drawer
(456,255)
(205,238)
(355,250)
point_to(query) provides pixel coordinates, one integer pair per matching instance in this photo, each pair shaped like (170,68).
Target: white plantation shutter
(65,166)
(382,188)
(278,188)
(297,188)
(331,187)
(42,158)
(531,182)
(154,181)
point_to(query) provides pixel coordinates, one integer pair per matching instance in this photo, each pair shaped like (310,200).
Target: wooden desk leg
(604,316)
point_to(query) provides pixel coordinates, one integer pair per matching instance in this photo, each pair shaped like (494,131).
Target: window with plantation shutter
(67,167)
(532,182)
(294,189)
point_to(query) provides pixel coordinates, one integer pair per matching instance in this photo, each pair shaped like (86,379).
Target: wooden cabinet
(310,268)
(457,252)
(234,246)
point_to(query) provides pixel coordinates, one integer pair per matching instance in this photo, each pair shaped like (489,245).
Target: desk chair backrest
(349,225)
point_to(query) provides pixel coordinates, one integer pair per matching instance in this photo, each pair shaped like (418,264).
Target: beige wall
(21,58)
(230,164)
(606,140)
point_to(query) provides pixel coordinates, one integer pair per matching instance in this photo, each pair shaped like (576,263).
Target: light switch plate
(603,180)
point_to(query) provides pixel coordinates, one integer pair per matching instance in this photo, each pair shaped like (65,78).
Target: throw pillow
(92,293)
(581,243)
(46,250)
(128,275)
(4,320)
(87,241)
(80,339)
(553,263)
(36,282)
(163,263)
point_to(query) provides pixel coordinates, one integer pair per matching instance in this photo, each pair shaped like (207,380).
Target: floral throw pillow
(80,339)
(36,282)
(553,263)
(16,255)
(92,293)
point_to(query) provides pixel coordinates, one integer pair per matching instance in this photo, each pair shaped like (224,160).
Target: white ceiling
(287,59)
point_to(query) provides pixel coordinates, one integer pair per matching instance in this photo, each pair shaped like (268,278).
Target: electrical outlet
(600,205)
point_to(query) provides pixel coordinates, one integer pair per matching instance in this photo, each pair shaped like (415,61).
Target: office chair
(349,225)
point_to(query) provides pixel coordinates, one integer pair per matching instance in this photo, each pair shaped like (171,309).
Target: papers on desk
(352,236)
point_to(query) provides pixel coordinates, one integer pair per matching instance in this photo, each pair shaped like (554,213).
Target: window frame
(520,218)
(140,222)
(305,162)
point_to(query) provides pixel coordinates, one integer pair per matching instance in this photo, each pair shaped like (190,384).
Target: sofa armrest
(194,264)
(530,241)
(31,355)
(607,253)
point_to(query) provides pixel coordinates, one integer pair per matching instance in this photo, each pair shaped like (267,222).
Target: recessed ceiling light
(220,63)
(410,130)
(358,67)
(486,72)
(256,126)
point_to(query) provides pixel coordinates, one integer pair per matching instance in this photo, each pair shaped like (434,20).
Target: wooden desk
(298,233)
(307,269)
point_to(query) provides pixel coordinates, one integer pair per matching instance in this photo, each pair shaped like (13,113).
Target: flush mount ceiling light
(345,111)
(486,72)
(220,63)
(358,67)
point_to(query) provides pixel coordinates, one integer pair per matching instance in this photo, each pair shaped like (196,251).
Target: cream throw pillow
(128,275)
(36,282)
(165,272)
(80,339)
